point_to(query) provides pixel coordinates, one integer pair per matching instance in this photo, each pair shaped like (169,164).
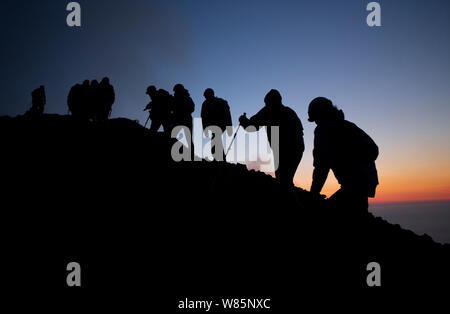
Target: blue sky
(391,80)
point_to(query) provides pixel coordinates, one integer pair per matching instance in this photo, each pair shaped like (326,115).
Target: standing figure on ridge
(85,100)
(216,112)
(93,100)
(105,100)
(183,107)
(38,101)
(160,108)
(289,151)
(75,100)
(341,146)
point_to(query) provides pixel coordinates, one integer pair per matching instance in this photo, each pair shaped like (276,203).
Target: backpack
(359,143)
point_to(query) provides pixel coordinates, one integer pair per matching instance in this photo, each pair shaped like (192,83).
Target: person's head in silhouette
(179,89)
(151,91)
(94,83)
(208,94)
(104,81)
(322,109)
(86,83)
(38,97)
(273,99)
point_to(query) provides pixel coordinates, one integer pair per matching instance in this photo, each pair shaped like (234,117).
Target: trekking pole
(231,144)
(146,121)
(220,169)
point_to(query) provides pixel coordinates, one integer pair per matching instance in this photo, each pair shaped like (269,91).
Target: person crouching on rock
(343,147)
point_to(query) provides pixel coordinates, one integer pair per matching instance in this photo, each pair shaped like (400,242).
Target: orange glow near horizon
(413,163)
(413,187)
(423,177)
(417,173)
(394,189)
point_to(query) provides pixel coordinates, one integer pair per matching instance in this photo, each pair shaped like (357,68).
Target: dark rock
(108,196)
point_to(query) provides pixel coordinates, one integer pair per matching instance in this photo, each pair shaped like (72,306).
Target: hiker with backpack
(160,108)
(216,113)
(289,151)
(183,107)
(343,147)
(38,101)
(105,100)
(75,100)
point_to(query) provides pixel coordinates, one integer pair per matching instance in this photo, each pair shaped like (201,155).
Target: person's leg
(287,169)
(279,172)
(336,197)
(213,147)
(217,147)
(352,201)
(221,143)
(283,174)
(357,201)
(167,126)
(156,124)
(189,139)
(293,164)
(186,127)
(361,202)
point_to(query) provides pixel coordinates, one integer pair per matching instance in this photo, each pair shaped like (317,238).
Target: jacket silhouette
(104,99)
(160,108)
(38,100)
(84,110)
(78,100)
(183,107)
(341,146)
(75,100)
(289,152)
(93,100)
(215,112)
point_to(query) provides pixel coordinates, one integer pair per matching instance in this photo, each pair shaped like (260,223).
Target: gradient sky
(393,81)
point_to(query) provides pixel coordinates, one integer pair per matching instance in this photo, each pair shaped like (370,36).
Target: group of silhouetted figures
(91,100)
(339,145)
(170,111)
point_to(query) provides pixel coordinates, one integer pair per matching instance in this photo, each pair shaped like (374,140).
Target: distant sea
(432,218)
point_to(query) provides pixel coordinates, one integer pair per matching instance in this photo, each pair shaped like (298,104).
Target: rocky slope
(149,231)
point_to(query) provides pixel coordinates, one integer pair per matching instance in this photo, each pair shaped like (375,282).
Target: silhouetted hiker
(183,107)
(93,100)
(79,102)
(160,108)
(341,146)
(38,101)
(75,100)
(216,112)
(105,97)
(290,150)
(85,95)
